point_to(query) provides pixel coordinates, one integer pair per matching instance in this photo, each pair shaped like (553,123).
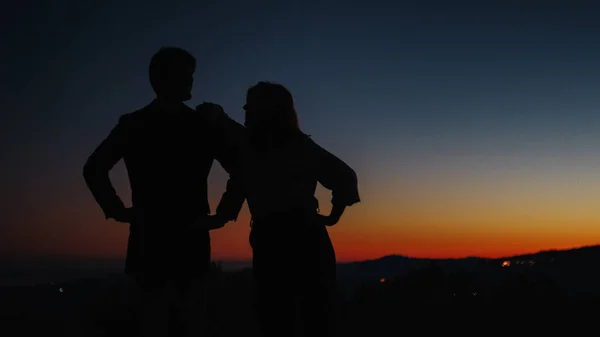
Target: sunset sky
(474,129)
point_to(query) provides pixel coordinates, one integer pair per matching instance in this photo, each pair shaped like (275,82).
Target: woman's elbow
(349,188)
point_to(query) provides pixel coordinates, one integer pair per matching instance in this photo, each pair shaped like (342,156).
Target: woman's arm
(337,176)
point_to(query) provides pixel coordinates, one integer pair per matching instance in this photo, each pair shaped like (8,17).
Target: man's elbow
(90,170)
(87,170)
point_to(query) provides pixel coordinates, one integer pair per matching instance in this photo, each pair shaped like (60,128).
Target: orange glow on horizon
(352,241)
(422,224)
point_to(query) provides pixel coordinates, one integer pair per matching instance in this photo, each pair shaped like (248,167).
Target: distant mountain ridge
(26,272)
(393,265)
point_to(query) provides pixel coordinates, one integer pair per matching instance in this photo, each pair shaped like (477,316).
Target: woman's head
(270,109)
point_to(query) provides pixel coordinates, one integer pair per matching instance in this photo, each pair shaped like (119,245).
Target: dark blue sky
(439,99)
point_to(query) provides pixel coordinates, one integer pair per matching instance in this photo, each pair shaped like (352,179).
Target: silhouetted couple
(168,149)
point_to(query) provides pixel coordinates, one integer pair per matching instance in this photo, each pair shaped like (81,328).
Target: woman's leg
(274,296)
(319,300)
(319,311)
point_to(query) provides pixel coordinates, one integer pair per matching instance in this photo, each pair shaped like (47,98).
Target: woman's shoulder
(304,138)
(310,147)
(308,141)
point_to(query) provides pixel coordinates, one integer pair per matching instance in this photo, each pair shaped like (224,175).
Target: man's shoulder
(187,109)
(136,117)
(127,118)
(130,118)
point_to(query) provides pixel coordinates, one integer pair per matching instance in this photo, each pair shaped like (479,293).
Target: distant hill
(43,271)
(40,271)
(577,261)
(393,265)
(567,262)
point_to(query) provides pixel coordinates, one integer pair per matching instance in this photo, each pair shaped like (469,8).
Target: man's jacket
(168,153)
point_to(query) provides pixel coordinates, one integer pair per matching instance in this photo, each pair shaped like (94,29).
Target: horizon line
(57,258)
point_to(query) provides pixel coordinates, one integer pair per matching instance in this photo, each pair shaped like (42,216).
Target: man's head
(172,73)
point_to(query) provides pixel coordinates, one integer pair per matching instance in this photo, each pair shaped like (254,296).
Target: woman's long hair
(271,118)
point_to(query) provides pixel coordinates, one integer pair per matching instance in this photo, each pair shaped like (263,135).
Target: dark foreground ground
(421,302)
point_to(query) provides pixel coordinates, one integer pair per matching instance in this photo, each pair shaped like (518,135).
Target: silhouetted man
(168,150)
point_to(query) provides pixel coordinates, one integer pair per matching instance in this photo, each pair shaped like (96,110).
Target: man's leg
(192,315)
(153,307)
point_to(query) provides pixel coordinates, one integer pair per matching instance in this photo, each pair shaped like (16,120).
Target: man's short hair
(167,63)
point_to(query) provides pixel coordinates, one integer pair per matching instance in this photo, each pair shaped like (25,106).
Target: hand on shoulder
(211,112)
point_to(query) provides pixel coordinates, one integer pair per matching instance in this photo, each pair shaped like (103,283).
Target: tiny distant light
(382,280)
(60,289)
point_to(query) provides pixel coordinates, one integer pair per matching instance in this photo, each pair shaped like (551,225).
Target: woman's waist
(280,197)
(288,232)
(297,217)
(281,210)
(284,215)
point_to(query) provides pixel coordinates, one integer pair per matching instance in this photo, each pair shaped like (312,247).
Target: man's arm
(229,136)
(228,155)
(232,200)
(96,171)
(225,128)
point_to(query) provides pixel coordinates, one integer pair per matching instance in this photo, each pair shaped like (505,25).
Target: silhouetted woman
(293,257)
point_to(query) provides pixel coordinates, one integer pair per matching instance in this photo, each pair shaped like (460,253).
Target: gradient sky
(474,128)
